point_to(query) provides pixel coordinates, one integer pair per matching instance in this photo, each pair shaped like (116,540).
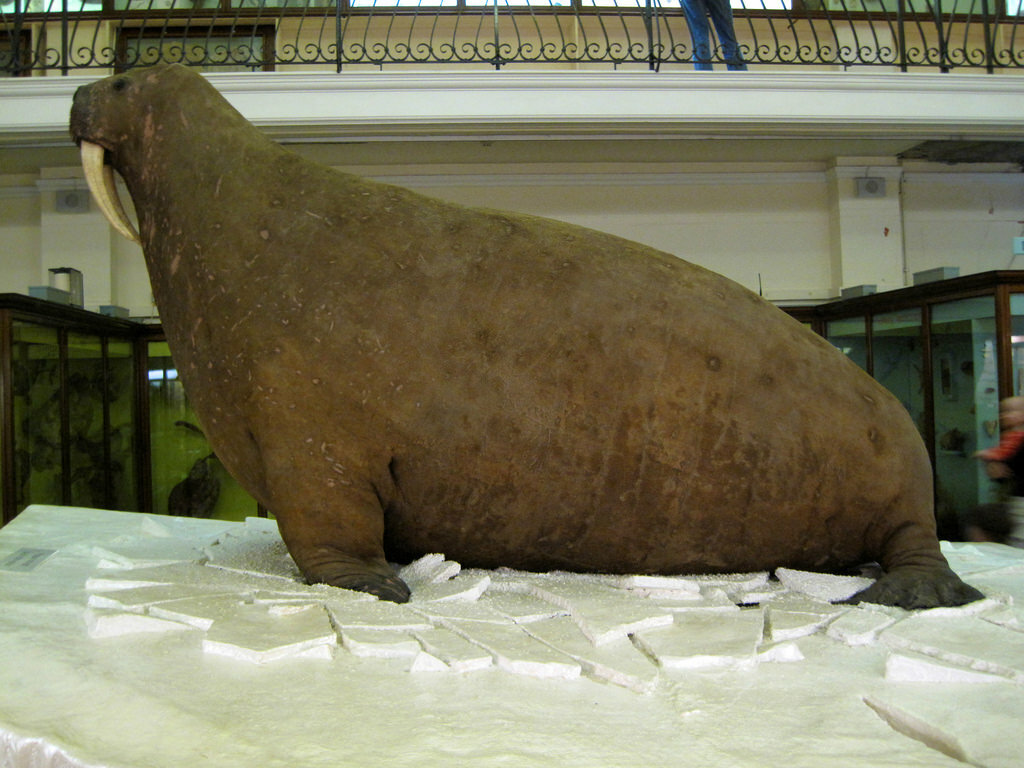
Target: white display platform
(131,640)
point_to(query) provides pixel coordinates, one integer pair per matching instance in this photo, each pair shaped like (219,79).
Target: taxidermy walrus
(393,375)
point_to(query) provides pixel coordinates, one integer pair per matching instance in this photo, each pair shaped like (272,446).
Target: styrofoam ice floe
(1007,616)
(822,586)
(968,642)
(794,615)
(1004,586)
(377,615)
(106,624)
(463,620)
(150,545)
(198,577)
(438,612)
(515,651)
(459,589)
(425,662)
(713,599)
(667,587)
(915,668)
(145,553)
(520,608)
(317,593)
(698,641)
(452,649)
(254,634)
(199,612)
(602,613)
(737,587)
(980,729)
(784,652)
(255,549)
(151,527)
(379,643)
(144,599)
(733,582)
(971,558)
(429,569)
(862,624)
(617,662)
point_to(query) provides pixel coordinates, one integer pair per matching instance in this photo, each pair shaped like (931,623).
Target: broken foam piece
(104,624)
(515,651)
(602,613)
(618,662)
(822,586)
(457,653)
(699,641)
(429,569)
(904,668)
(253,634)
(379,643)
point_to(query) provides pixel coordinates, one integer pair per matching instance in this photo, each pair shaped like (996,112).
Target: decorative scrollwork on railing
(339,34)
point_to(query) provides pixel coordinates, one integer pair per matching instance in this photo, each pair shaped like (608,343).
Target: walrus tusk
(100,178)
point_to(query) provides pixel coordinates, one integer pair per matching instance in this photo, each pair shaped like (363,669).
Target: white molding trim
(433,105)
(950,179)
(55,185)
(623,179)
(14,192)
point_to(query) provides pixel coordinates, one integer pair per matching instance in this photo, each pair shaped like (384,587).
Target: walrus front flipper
(330,547)
(375,577)
(913,587)
(329,516)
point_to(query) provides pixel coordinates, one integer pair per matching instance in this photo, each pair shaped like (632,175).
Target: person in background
(1005,464)
(988,522)
(720,11)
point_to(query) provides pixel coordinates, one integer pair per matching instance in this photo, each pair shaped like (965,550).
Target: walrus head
(139,124)
(98,140)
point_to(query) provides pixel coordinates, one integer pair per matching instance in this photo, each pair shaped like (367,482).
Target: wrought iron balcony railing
(59,36)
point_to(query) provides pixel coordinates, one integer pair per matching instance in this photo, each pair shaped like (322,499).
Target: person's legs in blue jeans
(697,19)
(720,11)
(721,16)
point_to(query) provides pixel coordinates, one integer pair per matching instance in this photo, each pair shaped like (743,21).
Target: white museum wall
(20,234)
(743,225)
(963,219)
(799,235)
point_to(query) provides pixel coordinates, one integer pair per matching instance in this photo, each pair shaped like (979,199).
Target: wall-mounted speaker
(871,186)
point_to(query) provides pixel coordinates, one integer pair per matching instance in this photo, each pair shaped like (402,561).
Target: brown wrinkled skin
(391,374)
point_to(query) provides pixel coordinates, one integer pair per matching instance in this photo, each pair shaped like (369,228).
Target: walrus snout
(78,120)
(89,101)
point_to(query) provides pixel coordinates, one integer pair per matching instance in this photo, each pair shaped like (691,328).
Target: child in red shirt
(1011,418)
(1006,462)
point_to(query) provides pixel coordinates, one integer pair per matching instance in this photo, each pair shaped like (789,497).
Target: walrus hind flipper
(916,587)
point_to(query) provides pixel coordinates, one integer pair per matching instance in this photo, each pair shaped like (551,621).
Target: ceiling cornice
(294,106)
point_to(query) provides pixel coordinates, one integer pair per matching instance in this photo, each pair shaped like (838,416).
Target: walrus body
(393,375)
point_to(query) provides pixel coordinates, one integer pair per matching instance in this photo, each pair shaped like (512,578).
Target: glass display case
(92,415)
(67,407)
(949,350)
(186,478)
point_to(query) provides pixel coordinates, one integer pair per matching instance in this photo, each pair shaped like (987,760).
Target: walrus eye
(120,84)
